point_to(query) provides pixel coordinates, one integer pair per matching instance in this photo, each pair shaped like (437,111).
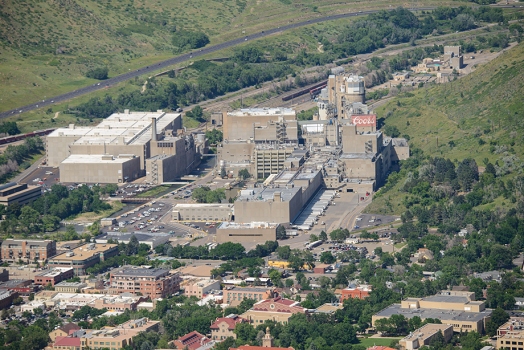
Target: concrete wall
(242,127)
(352,142)
(246,235)
(203,213)
(57,149)
(236,152)
(115,172)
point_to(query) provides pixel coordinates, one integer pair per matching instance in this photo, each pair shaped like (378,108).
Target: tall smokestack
(153,129)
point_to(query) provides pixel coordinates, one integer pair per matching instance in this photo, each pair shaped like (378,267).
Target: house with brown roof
(67,343)
(224,327)
(275,309)
(193,341)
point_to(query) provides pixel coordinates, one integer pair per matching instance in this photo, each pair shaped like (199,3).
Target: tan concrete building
(199,287)
(235,295)
(69,287)
(253,232)
(202,212)
(84,257)
(241,124)
(18,193)
(281,200)
(99,168)
(276,309)
(27,250)
(112,338)
(511,334)
(343,90)
(118,149)
(456,308)
(156,283)
(423,336)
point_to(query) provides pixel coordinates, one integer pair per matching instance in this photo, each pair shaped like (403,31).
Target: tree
(281,232)
(214,136)
(275,276)
(498,318)
(391,131)
(283,252)
(100,73)
(244,174)
(327,258)
(323,236)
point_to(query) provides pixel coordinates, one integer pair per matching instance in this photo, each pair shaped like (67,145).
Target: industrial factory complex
(124,147)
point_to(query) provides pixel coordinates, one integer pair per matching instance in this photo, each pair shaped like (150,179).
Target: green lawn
(368,342)
(42,57)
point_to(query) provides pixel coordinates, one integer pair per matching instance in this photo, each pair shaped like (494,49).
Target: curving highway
(179,59)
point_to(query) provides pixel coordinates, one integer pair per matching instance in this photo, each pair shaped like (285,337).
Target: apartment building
(156,283)
(83,257)
(26,250)
(458,309)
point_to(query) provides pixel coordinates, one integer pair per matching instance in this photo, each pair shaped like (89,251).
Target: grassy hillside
(47,46)
(479,116)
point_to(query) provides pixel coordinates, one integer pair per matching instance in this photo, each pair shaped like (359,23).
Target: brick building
(14,250)
(359,292)
(54,276)
(156,283)
(193,341)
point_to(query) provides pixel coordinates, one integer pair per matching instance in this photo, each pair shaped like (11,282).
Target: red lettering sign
(364,120)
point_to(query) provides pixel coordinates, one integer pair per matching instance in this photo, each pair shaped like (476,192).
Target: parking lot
(372,220)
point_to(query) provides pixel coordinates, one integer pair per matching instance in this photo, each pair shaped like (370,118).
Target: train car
(305,91)
(19,137)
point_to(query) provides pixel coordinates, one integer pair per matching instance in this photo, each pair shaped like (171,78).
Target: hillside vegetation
(47,47)
(480,116)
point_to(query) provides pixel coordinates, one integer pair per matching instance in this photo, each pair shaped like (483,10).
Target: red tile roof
(279,305)
(67,341)
(231,322)
(378,347)
(192,340)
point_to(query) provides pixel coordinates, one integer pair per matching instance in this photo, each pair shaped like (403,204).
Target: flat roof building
(18,193)
(423,336)
(203,212)
(199,287)
(99,168)
(54,276)
(27,250)
(83,257)
(456,308)
(235,295)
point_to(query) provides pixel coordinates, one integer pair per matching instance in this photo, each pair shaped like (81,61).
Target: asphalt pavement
(182,58)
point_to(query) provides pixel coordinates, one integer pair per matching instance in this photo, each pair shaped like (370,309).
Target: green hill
(46,47)
(480,116)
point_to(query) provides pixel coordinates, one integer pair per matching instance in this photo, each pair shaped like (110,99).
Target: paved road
(179,59)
